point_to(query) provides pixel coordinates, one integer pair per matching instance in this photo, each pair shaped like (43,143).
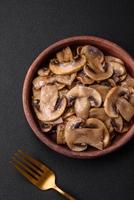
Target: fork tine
(25,174)
(25,168)
(37,163)
(28,163)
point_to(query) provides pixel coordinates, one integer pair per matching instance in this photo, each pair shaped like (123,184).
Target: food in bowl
(85,96)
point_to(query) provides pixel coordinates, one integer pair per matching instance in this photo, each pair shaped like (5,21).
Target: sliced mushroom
(129,82)
(65,55)
(94,133)
(125,109)
(60,134)
(82,106)
(113,59)
(102,89)
(82,91)
(98,76)
(119,71)
(94,57)
(43,71)
(67,67)
(50,108)
(93,122)
(84,79)
(117,124)
(111,99)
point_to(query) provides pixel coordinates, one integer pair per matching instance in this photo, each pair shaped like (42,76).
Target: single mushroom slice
(67,67)
(125,108)
(73,133)
(65,55)
(117,124)
(50,108)
(129,82)
(84,79)
(98,76)
(111,99)
(64,79)
(60,134)
(113,59)
(43,71)
(82,106)
(93,122)
(102,89)
(119,71)
(94,57)
(94,134)
(82,91)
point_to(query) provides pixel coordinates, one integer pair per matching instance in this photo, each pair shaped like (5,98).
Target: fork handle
(68,196)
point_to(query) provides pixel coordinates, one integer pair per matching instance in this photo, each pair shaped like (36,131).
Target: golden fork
(36,172)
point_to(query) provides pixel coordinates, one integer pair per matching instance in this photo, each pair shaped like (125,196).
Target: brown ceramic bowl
(108,47)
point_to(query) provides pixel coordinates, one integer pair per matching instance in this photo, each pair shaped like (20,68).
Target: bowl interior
(42,61)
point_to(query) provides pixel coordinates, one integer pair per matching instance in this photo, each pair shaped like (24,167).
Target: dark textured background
(26,28)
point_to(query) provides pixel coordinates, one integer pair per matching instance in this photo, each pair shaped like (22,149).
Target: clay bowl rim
(108,46)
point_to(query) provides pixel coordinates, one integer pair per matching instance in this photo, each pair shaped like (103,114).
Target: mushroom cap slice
(65,55)
(93,54)
(129,82)
(93,122)
(113,59)
(49,110)
(111,99)
(82,91)
(67,67)
(60,134)
(119,71)
(84,79)
(102,89)
(72,134)
(94,57)
(82,106)
(125,108)
(98,76)
(94,134)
